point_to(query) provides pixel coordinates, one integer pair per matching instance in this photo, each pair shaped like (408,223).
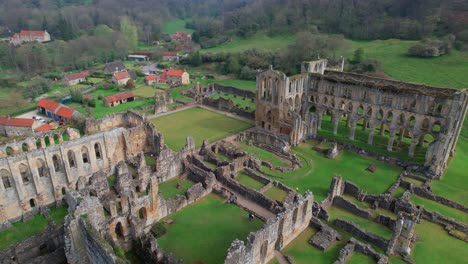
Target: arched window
(24,171)
(119,230)
(6,178)
(64,190)
(142,213)
(425,124)
(401,121)
(41,168)
(380,114)
(436,127)
(389,116)
(360,110)
(412,122)
(84,155)
(295,216)
(97,151)
(264,250)
(56,161)
(71,159)
(25,147)
(32,203)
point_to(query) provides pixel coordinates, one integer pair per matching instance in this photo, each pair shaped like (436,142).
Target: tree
(103,31)
(358,56)
(129,31)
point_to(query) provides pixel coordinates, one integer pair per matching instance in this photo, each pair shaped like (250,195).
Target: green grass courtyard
(202,232)
(200,124)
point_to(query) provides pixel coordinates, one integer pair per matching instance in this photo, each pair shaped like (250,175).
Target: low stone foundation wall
(354,245)
(355,230)
(350,207)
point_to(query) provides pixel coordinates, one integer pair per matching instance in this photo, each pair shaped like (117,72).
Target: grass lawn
(398,192)
(243,103)
(146,91)
(304,253)
(366,224)
(453,185)
(444,71)
(440,208)
(173,26)
(176,93)
(437,246)
(202,232)
(23,230)
(276,194)
(198,123)
(240,84)
(248,181)
(168,189)
(263,154)
(258,41)
(359,258)
(317,172)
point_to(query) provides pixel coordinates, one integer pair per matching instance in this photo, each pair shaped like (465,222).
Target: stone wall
(128,119)
(228,105)
(354,245)
(355,230)
(275,235)
(14,131)
(351,207)
(47,245)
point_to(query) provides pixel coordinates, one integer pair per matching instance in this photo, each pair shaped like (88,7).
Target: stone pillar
(43,144)
(66,166)
(382,126)
(371,136)
(402,133)
(60,139)
(421,141)
(412,148)
(51,140)
(336,120)
(34,175)
(390,141)
(352,131)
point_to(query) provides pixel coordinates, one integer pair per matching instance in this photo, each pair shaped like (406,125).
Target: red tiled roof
(77,76)
(173,72)
(44,128)
(181,35)
(65,112)
(169,54)
(121,75)
(32,33)
(162,79)
(151,77)
(49,105)
(119,96)
(17,122)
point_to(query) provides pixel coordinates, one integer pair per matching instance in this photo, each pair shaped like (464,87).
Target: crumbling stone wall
(355,230)
(275,234)
(295,106)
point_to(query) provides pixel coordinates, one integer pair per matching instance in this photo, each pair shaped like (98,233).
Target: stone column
(34,175)
(371,136)
(66,166)
(412,148)
(390,141)
(335,124)
(43,144)
(402,133)
(382,126)
(352,130)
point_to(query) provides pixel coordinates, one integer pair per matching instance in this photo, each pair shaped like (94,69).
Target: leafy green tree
(103,31)
(130,31)
(358,55)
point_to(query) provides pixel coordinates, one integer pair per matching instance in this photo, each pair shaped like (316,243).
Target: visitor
(251,216)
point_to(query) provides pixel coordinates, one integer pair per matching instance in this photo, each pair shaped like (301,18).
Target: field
(171,27)
(258,41)
(168,189)
(236,100)
(146,91)
(241,84)
(199,123)
(207,229)
(276,194)
(248,181)
(445,71)
(22,230)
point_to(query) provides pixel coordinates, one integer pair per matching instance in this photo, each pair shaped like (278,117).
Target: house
(74,79)
(177,77)
(13,127)
(44,128)
(181,36)
(117,99)
(151,79)
(136,57)
(58,112)
(113,67)
(121,78)
(167,56)
(30,36)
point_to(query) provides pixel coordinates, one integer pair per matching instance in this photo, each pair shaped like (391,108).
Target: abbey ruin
(109,176)
(296,106)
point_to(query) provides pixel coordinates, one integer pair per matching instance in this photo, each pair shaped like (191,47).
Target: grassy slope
(171,27)
(248,181)
(442,209)
(204,231)
(445,71)
(198,123)
(258,41)
(263,154)
(436,246)
(168,189)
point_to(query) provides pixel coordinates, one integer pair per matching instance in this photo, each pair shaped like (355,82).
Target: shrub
(431,47)
(119,252)
(158,230)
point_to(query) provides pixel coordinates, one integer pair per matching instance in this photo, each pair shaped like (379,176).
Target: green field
(168,189)
(317,172)
(240,84)
(248,181)
(146,91)
(445,71)
(202,232)
(440,208)
(258,41)
(276,194)
(437,246)
(199,123)
(173,26)
(263,154)
(359,258)
(23,230)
